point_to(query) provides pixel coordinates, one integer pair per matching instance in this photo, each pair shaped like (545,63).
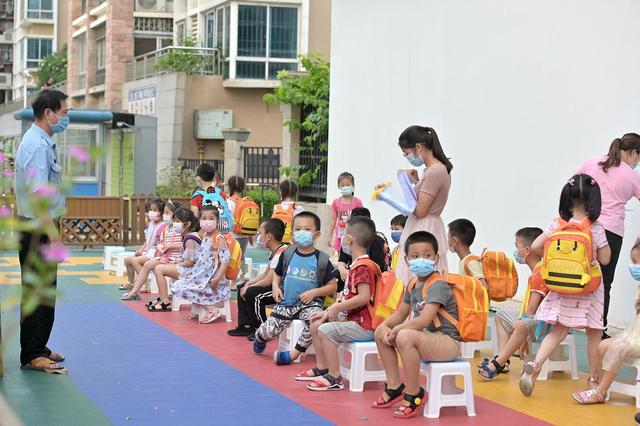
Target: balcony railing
(44,14)
(191,60)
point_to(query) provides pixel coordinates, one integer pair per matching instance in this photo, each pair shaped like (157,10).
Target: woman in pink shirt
(618,183)
(421,147)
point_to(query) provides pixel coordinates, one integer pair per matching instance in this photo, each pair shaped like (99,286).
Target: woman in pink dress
(421,146)
(619,183)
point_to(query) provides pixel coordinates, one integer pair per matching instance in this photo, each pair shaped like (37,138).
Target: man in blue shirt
(38,173)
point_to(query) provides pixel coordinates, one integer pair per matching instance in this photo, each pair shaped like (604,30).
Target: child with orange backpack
(462,233)
(571,248)
(287,208)
(443,315)
(206,283)
(327,331)
(246,215)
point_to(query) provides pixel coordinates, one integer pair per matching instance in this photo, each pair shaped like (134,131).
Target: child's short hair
(346,175)
(421,237)
(288,189)
(186,215)
(306,213)
(361,211)
(206,172)
(636,247)
(581,190)
(210,208)
(173,205)
(399,220)
(528,235)
(275,227)
(236,184)
(158,202)
(463,230)
(363,230)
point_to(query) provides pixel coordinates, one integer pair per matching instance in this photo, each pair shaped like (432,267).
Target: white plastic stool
(121,268)
(443,396)
(199,309)
(106,256)
(630,389)
(289,337)
(249,262)
(468,349)
(153,284)
(262,267)
(569,364)
(363,366)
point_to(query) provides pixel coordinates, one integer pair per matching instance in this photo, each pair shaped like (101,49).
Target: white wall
(519,92)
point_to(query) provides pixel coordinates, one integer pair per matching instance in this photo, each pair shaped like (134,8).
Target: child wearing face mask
(462,233)
(307,276)
(419,338)
(152,236)
(256,294)
(514,326)
(186,227)
(397,226)
(204,283)
(617,351)
(341,209)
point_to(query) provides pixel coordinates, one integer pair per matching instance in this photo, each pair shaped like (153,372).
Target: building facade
(104,36)
(40,29)
(6,49)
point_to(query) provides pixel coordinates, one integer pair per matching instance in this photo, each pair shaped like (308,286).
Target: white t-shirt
(275,257)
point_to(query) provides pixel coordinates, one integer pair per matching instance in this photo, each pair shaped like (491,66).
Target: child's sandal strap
(393,395)
(415,401)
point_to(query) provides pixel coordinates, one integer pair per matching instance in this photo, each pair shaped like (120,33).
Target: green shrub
(266,199)
(177,182)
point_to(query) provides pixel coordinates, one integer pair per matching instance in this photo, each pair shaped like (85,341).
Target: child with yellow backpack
(571,248)
(446,310)
(287,208)
(246,215)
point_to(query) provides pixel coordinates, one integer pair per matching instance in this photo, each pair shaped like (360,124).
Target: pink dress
(576,310)
(343,213)
(435,181)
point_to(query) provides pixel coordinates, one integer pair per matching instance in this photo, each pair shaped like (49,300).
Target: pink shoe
(588,397)
(210,316)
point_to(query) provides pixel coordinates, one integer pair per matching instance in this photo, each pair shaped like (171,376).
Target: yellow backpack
(235,258)
(568,265)
(285,214)
(247,217)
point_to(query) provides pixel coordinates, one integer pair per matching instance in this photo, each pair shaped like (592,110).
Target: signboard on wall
(208,124)
(142,100)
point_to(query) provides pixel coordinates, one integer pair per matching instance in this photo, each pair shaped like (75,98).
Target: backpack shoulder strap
(286,258)
(190,237)
(324,263)
(432,279)
(368,263)
(466,263)
(197,192)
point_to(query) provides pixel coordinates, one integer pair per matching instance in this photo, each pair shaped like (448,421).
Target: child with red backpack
(327,331)
(429,336)
(287,208)
(571,248)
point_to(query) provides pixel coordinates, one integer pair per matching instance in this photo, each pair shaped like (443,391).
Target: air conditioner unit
(6,37)
(5,80)
(152,5)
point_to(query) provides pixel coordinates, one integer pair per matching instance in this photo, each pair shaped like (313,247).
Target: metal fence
(262,165)
(313,157)
(192,60)
(193,163)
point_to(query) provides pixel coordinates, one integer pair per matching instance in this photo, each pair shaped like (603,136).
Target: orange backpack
(246,218)
(285,214)
(472,301)
(235,252)
(388,293)
(499,272)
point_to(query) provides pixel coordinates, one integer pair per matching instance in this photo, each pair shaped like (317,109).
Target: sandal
(326,383)
(160,307)
(130,296)
(56,357)
(528,378)
(593,382)
(588,397)
(210,316)
(152,302)
(46,365)
(145,289)
(394,395)
(487,373)
(126,286)
(312,374)
(415,401)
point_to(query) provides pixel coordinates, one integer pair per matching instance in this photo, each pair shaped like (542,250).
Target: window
(39,9)
(209,33)
(267,41)
(181,32)
(217,29)
(100,53)
(86,137)
(37,49)
(81,52)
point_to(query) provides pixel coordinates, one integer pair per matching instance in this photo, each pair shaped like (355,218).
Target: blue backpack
(215,198)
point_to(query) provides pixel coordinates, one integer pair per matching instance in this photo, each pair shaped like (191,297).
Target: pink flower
(3,157)
(5,211)
(30,172)
(54,252)
(7,172)
(78,152)
(46,191)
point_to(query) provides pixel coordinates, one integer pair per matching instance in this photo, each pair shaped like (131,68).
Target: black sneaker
(241,331)
(637,418)
(252,336)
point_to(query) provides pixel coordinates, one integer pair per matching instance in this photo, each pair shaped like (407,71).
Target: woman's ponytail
(433,143)
(628,142)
